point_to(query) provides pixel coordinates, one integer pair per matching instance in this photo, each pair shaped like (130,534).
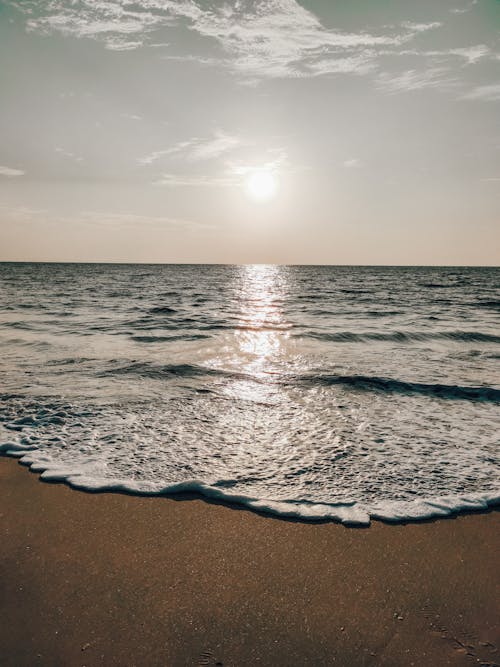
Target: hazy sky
(129,131)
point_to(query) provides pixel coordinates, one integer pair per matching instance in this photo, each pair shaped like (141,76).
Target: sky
(250,131)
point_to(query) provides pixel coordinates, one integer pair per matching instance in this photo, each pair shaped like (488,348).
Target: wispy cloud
(277,160)
(260,38)
(131,116)
(280,38)
(20,213)
(465,9)
(352,163)
(415,28)
(187,180)
(212,148)
(232,173)
(123,220)
(197,149)
(412,79)
(120,24)
(197,59)
(10,172)
(100,218)
(440,69)
(470,54)
(157,155)
(489,93)
(64,153)
(361,63)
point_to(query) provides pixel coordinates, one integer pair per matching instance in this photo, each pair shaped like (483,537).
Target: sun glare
(261,185)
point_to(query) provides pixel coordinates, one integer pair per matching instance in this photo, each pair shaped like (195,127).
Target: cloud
(10,173)
(20,213)
(131,116)
(120,24)
(441,72)
(156,155)
(256,40)
(198,60)
(123,220)
(213,148)
(362,63)
(464,10)
(114,43)
(352,163)
(197,149)
(187,180)
(412,79)
(415,28)
(471,54)
(68,154)
(489,93)
(100,218)
(277,161)
(259,38)
(233,173)
(280,38)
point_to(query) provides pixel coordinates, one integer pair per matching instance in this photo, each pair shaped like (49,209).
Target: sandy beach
(110,579)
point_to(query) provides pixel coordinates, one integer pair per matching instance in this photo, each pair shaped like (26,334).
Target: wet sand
(110,579)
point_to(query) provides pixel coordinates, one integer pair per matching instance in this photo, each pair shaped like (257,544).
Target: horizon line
(125,263)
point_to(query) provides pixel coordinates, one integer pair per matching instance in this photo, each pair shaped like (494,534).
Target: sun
(261,185)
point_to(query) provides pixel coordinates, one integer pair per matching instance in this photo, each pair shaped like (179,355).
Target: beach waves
(317,393)
(404,336)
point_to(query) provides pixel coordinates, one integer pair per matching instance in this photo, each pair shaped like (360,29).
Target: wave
(151,370)
(392,386)
(150,324)
(164,339)
(468,354)
(493,304)
(70,361)
(163,310)
(27,306)
(354,290)
(402,336)
(383,313)
(438,285)
(25,326)
(357,382)
(349,513)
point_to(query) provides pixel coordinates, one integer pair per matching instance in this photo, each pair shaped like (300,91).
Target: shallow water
(341,392)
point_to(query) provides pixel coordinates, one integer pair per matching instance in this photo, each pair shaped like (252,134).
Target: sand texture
(110,579)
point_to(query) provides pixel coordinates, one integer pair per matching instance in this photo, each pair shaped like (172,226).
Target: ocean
(315,392)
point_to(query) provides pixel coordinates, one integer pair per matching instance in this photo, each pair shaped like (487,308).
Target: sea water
(306,391)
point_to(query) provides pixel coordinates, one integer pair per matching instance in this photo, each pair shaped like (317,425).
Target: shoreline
(118,579)
(350,515)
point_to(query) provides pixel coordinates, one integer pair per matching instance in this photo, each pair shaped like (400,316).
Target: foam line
(350,514)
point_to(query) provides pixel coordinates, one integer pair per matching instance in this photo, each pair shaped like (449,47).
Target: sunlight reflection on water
(258,347)
(262,326)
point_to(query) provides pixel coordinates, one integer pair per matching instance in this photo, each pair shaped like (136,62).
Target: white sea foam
(352,514)
(305,471)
